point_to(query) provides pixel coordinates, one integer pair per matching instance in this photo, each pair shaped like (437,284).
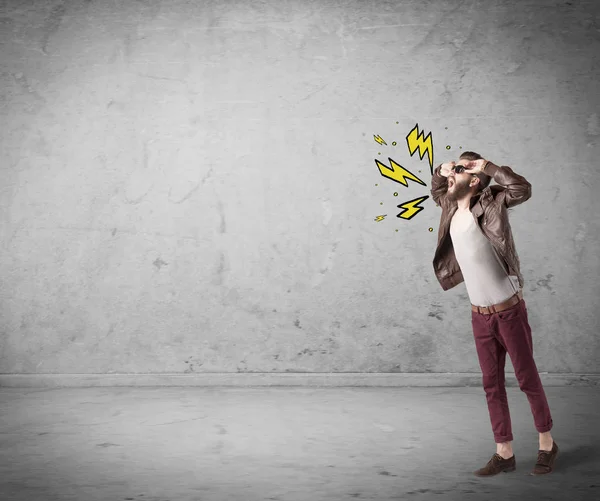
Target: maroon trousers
(495,335)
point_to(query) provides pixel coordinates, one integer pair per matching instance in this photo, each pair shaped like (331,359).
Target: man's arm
(439,186)
(517,188)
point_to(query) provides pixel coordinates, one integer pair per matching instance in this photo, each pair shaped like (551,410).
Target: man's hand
(474,166)
(447,168)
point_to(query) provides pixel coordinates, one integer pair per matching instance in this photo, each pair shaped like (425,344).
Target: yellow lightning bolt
(379,139)
(415,140)
(397,173)
(411,207)
(380,218)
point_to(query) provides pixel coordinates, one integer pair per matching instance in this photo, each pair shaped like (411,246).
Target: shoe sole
(506,470)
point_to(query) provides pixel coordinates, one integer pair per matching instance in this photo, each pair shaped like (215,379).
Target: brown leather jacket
(489,209)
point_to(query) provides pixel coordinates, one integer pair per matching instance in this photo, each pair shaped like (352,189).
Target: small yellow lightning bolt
(379,139)
(397,173)
(380,218)
(415,140)
(411,208)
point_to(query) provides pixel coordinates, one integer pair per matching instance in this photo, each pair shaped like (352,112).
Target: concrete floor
(288,444)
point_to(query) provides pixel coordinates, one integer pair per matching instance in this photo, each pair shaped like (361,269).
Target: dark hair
(484,179)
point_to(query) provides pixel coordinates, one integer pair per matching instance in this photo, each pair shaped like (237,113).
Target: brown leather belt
(494,308)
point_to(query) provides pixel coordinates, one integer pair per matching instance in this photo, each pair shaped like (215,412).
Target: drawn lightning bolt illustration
(415,140)
(397,173)
(380,218)
(379,139)
(411,207)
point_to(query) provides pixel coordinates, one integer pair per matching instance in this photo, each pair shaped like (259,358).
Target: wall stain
(137,200)
(111,329)
(333,345)
(51,25)
(544,282)
(221,270)
(437,311)
(579,239)
(192,362)
(329,259)
(223,225)
(158,262)
(436,314)
(189,194)
(421,351)
(310,352)
(297,323)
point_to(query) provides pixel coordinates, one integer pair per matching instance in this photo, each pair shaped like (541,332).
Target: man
(475,245)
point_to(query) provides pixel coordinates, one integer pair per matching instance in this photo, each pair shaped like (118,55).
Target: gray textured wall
(191,186)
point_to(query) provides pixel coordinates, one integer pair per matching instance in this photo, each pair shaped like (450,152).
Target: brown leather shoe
(497,465)
(545,460)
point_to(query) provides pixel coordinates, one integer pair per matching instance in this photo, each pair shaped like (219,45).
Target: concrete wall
(191,186)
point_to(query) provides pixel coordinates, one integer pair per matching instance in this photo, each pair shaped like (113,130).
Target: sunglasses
(459,168)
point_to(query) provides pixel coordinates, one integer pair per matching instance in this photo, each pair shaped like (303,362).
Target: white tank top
(486,280)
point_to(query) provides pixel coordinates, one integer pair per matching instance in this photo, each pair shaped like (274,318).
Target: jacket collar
(483,199)
(476,205)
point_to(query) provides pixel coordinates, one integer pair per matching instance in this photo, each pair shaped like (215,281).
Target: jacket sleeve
(516,188)
(439,186)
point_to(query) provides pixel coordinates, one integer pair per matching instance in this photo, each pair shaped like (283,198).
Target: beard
(459,190)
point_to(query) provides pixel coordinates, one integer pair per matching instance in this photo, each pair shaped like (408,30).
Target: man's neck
(465,204)
(464,208)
